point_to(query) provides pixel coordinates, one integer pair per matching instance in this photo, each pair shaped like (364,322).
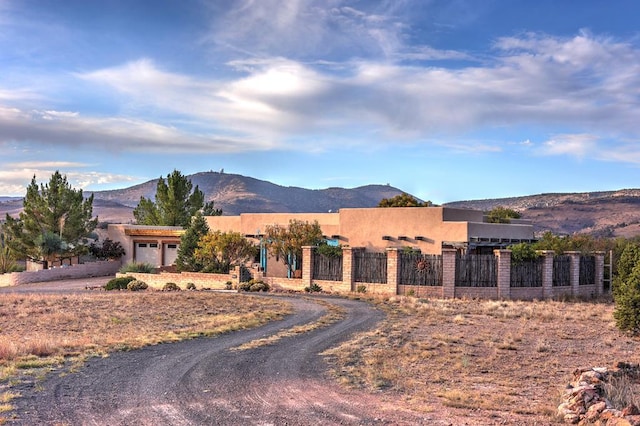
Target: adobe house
(429,229)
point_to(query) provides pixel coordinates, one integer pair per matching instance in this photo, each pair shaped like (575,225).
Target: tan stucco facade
(424,228)
(428,229)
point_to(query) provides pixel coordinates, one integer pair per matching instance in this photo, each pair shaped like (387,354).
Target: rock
(595,410)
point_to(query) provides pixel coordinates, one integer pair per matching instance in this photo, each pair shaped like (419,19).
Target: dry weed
(508,358)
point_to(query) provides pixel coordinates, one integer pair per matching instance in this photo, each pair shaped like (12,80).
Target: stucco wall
(91,269)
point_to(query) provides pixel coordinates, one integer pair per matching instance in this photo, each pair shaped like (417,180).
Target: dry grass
(42,331)
(509,359)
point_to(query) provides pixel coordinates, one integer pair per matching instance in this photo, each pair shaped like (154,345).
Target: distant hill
(605,213)
(608,213)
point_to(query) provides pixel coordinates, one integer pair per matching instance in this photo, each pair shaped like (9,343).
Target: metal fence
(327,267)
(527,273)
(370,267)
(419,269)
(561,271)
(476,270)
(587,270)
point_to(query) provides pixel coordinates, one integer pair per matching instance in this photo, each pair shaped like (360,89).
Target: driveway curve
(206,382)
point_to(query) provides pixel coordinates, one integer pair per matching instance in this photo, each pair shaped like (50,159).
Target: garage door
(170,253)
(147,253)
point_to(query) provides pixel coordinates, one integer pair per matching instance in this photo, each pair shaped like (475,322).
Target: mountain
(605,213)
(236,194)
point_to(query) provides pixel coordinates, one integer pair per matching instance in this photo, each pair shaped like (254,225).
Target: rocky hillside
(609,213)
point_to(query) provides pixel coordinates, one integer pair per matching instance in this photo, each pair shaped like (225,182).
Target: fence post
(504,273)
(307,265)
(547,274)
(347,267)
(449,273)
(575,272)
(392,268)
(599,273)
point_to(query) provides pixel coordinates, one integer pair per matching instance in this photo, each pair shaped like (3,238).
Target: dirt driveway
(208,381)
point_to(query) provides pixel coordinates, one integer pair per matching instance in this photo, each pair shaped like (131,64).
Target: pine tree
(186,260)
(55,221)
(176,202)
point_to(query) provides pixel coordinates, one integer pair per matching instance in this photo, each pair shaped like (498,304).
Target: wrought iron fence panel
(327,267)
(370,267)
(476,270)
(419,269)
(527,273)
(561,271)
(587,270)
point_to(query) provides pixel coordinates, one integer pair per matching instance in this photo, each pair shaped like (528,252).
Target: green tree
(502,214)
(219,251)
(176,202)
(285,243)
(56,221)
(7,261)
(186,261)
(403,200)
(626,290)
(210,210)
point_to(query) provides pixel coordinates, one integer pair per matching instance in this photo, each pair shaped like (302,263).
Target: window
(172,246)
(142,245)
(153,245)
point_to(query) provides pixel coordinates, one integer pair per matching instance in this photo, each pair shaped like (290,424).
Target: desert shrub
(118,283)
(253,285)
(361,288)
(145,268)
(313,288)
(191,286)
(137,285)
(228,285)
(329,251)
(171,287)
(523,252)
(107,250)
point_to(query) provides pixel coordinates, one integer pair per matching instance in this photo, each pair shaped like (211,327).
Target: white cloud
(576,145)
(15,177)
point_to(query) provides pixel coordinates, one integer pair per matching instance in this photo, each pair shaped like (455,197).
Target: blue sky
(448,100)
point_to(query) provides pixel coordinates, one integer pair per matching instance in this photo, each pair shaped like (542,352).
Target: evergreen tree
(176,202)
(626,290)
(55,221)
(186,260)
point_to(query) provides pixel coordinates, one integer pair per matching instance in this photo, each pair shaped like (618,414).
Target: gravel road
(205,382)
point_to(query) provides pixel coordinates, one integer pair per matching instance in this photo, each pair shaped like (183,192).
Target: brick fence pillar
(504,273)
(449,273)
(307,262)
(392,268)
(347,267)
(575,272)
(547,273)
(599,273)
